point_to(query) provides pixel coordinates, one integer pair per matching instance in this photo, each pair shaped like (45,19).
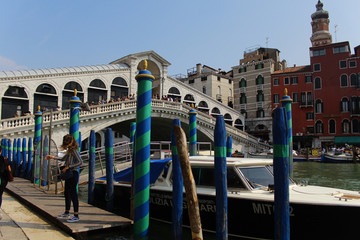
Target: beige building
(252,89)
(214,83)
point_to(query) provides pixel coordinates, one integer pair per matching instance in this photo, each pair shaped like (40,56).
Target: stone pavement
(20,223)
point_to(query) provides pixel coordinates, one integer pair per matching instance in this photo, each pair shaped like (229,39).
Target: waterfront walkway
(22,222)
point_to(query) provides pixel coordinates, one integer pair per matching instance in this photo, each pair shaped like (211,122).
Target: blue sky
(48,33)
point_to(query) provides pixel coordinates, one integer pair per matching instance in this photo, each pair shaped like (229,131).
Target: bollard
(177,194)
(286,103)
(24,156)
(192,132)
(29,165)
(142,153)
(91,184)
(229,146)
(281,175)
(221,179)
(109,197)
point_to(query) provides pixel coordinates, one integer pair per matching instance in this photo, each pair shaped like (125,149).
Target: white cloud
(8,65)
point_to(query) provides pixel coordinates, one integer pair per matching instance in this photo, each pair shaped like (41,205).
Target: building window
(286,81)
(355,126)
(295,97)
(242,70)
(259,80)
(219,78)
(344,80)
(342,64)
(309,99)
(309,116)
(320,52)
(260,96)
(204,90)
(319,127)
(340,49)
(345,126)
(191,81)
(310,130)
(353,80)
(352,64)
(242,83)
(242,99)
(260,113)
(276,82)
(259,66)
(230,81)
(317,83)
(303,99)
(308,79)
(344,105)
(294,80)
(276,98)
(317,67)
(204,78)
(332,126)
(319,106)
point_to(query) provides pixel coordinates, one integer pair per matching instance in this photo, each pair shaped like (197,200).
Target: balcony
(219,97)
(243,106)
(259,87)
(243,90)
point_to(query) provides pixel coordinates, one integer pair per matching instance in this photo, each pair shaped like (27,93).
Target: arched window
(97,91)
(228,119)
(353,80)
(319,106)
(174,90)
(45,97)
(344,105)
(260,96)
(319,127)
(355,126)
(332,126)
(242,83)
(238,124)
(68,93)
(259,80)
(215,111)
(97,83)
(317,83)
(14,102)
(242,98)
(346,126)
(344,80)
(260,113)
(119,88)
(174,93)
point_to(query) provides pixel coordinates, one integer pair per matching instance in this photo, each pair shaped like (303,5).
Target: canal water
(337,175)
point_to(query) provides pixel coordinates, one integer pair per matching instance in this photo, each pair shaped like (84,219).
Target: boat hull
(336,158)
(248,218)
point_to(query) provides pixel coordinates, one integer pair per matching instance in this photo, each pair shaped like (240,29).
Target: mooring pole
(221,179)
(9,151)
(192,132)
(91,184)
(286,103)
(142,153)
(45,162)
(13,163)
(37,144)
(177,194)
(109,169)
(132,141)
(229,146)
(18,156)
(74,116)
(24,156)
(4,147)
(281,175)
(28,170)
(189,184)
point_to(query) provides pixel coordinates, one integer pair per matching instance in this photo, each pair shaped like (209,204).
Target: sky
(51,33)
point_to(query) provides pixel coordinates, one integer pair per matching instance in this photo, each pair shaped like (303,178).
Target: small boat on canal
(337,158)
(315,212)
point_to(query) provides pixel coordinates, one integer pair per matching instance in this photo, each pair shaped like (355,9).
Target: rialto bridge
(24,90)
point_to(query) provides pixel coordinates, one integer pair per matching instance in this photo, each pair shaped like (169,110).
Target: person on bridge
(72,161)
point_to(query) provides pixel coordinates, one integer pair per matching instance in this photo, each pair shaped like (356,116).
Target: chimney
(198,69)
(284,65)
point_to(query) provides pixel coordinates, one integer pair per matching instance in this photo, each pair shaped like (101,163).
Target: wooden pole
(189,184)
(91,183)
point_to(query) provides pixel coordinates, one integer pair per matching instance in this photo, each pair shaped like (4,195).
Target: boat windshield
(258,177)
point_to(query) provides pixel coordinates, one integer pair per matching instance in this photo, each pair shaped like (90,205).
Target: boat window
(258,177)
(205,176)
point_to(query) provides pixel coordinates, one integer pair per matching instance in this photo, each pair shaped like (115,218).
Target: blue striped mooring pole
(37,143)
(109,169)
(221,179)
(142,153)
(192,132)
(29,167)
(177,194)
(286,103)
(281,175)
(229,146)
(24,157)
(91,184)
(45,162)
(9,151)
(18,156)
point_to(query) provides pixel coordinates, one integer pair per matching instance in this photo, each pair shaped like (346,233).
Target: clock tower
(320,26)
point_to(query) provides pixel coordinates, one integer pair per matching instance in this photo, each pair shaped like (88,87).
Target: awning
(348,139)
(302,138)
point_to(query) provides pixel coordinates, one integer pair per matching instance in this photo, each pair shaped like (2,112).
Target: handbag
(67,174)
